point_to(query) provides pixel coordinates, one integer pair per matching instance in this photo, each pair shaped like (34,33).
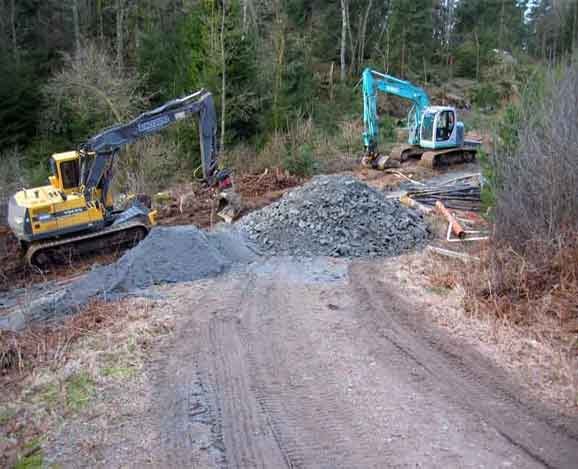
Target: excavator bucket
(229,205)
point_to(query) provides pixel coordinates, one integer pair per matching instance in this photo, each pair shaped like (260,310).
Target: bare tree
(100,20)
(502,25)
(75,22)
(120,11)
(363,33)
(574,33)
(344,19)
(223,74)
(92,87)
(13,29)
(536,182)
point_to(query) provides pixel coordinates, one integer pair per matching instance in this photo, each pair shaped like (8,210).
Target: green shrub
(466,57)
(300,161)
(387,126)
(486,95)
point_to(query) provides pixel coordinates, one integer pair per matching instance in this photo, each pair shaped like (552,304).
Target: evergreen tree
(411,37)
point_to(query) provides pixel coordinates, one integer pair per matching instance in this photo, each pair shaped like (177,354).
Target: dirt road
(323,363)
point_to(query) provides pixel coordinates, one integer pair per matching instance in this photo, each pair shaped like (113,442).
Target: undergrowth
(526,311)
(54,373)
(527,291)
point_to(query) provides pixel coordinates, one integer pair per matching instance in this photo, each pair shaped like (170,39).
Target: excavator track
(128,234)
(450,156)
(404,152)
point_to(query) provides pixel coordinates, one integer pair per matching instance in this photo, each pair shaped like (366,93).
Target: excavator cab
(65,168)
(440,129)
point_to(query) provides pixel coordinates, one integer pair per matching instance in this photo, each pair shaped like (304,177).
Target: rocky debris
(335,216)
(166,255)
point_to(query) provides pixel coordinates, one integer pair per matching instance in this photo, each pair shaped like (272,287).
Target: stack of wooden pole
(458,194)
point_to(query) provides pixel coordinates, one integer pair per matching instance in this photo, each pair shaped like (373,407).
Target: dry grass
(528,291)
(58,372)
(524,316)
(328,153)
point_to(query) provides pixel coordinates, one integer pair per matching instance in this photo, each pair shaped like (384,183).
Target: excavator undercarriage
(428,158)
(111,239)
(434,158)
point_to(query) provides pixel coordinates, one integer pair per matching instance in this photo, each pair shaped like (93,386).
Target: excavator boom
(108,143)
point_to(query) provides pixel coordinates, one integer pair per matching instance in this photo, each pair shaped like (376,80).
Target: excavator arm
(104,147)
(372,83)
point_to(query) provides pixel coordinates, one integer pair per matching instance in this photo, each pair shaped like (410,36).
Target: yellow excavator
(75,212)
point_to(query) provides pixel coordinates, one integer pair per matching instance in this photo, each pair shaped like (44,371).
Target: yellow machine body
(60,208)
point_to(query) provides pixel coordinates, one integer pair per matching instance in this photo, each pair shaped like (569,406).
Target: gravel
(166,255)
(335,216)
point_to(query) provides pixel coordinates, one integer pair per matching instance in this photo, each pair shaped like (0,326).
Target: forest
(284,72)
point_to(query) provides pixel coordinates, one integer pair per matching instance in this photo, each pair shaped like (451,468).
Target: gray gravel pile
(176,254)
(335,216)
(166,255)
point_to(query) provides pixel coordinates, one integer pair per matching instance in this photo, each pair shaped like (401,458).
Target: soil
(193,205)
(316,363)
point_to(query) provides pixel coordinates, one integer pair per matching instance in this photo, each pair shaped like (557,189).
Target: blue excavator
(75,212)
(436,137)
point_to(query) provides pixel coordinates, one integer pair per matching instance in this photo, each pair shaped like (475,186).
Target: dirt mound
(193,204)
(335,216)
(167,255)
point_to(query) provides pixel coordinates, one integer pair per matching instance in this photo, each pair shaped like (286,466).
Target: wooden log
(456,227)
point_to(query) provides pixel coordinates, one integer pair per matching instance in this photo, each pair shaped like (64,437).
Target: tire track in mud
(311,421)
(248,440)
(461,375)
(256,347)
(185,414)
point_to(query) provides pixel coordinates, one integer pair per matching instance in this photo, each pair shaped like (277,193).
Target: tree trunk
(477,39)
(75,21)
(403,52)
(343,38)
(574,33)
(120,34)
(502,24)
(244,18)
(279,66)
(350,34)
(13,30)
(100,21)
(363,33)
(387,49)
(223,75)
(331,82)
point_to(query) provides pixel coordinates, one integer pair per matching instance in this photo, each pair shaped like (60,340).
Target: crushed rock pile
(166,255)
(335,216)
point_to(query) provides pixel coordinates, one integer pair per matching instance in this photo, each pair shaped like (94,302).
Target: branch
(102,94)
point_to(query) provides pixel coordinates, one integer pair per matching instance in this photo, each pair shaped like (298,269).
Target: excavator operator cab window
(70,173)
(445,125)
(427,126)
